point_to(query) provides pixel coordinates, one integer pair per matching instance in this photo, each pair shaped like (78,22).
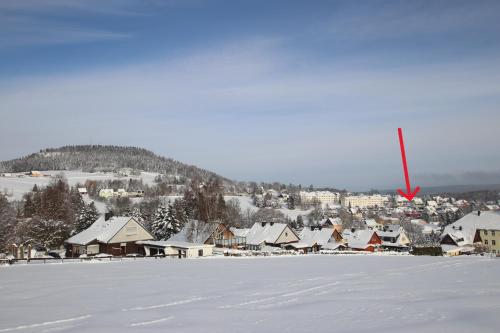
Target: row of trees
(45,217)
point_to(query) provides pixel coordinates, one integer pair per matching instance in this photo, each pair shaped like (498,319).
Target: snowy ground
(246,203)
(274,294)
(18,186)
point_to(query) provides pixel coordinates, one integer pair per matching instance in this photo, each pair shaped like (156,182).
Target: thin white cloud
(388,19)
(35,32)
(24,23)
(243,104)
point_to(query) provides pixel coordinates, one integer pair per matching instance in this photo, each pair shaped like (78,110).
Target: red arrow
(409,194)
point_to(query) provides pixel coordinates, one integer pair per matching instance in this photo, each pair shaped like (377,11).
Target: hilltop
(105,158)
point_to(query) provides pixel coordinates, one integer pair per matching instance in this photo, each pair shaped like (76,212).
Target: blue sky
(292,91)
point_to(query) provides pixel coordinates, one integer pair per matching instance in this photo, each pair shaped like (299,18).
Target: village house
(106,193)
(394,237)
(329,222)
(214,233)
(115,235)
(481,227)
(313,239)
(176,249)
(371,224)
(271,234)
(362,240)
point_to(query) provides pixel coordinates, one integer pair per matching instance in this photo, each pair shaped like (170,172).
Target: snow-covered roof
(195,231)
(101,230)
(316,236)
(463,230)
(168,243)
(299,245)
(265,232)
(358,239)
(332,245)
(239,232)
(333,221)
(389,232)
(371,223)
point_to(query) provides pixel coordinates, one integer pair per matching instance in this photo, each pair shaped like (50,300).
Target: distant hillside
(453,189)
(460,188)
(91,158)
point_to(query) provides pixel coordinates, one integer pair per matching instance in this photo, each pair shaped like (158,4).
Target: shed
(176,249)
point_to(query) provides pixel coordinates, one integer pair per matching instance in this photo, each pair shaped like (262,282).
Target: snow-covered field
(246,203)
(273,294)
(17,186)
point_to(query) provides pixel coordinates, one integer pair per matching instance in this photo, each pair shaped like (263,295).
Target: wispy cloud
(379,20)
(279,106)
(228,103)
(24,23)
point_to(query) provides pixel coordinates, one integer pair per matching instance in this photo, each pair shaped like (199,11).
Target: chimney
(478,213)
(108,215)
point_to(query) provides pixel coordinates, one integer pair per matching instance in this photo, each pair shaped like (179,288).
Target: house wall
(120,249)
(190,252)
(131,232)
(491,238)
(287,236)
(226,234)
(403,239)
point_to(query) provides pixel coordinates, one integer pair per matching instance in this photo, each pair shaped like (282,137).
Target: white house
(371,224)
(270,233)
(394,237)
(362,240)
(176,249)
(316,239)
(106,193)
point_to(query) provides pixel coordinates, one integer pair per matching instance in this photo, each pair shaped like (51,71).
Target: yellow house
(490,238)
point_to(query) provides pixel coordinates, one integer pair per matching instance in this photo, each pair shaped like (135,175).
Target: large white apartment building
(363,201)
(322,196)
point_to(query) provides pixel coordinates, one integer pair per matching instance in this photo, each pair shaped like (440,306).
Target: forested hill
(91,158)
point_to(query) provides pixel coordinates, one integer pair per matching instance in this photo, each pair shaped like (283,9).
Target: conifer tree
(161,223)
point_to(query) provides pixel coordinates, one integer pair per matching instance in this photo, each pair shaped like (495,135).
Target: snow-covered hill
(15,185)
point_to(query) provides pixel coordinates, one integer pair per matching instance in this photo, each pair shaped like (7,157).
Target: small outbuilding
(176,249)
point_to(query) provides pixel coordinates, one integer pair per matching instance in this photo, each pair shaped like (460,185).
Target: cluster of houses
(107,193)
(122,236)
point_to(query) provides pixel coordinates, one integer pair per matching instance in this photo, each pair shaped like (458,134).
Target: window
(485,232)
(493,232)
(131,231)
(486,242)
(200,253)
(493,242)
